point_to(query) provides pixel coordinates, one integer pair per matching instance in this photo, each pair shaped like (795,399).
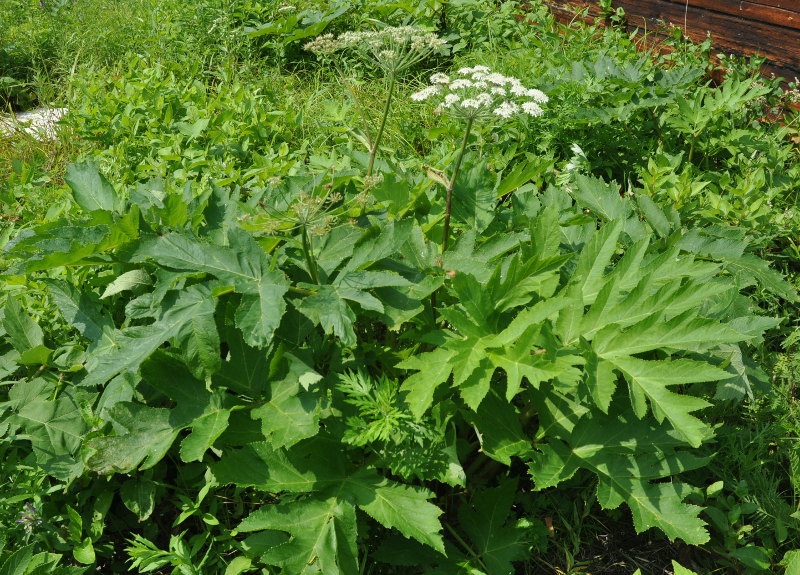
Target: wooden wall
(769,28)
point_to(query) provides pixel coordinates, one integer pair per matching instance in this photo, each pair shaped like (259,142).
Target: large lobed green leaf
(327,476)
(628,455)
(176,316)
(323,535)
(243,265)
(497,541)
(151,431)
(291,413)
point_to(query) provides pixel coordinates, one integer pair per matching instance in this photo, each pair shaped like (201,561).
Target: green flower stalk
(309,214)
(393,50)
(477,95)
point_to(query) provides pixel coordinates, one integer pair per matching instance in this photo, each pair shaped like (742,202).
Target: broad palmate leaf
(62,243)
(84,311)
(323,536)
(54,425)
(331,305)
(484,336)
(328,477)
(151,431)
(243,265)
(176,316)
(628,455)
(292,412)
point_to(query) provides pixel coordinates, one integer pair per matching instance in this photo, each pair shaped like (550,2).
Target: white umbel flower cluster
(394,48)
(480,93)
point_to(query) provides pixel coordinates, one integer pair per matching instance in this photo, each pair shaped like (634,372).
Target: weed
(225,349)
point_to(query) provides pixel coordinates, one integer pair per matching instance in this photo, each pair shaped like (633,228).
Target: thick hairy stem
(451,183)
(377,141)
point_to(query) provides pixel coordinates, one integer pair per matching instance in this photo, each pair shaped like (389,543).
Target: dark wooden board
(788,4)
(753,11)
(743,33)
(779,44)
(727,5)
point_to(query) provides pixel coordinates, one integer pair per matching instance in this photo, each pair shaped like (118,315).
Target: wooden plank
(787,4)
(730,34)
(657,41)
(728,5)
(780,45)
(749,10)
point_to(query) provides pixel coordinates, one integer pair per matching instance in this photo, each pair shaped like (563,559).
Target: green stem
(301,291)
(377,142)
(312,265)
(466,546)
(691,149)
(452,182)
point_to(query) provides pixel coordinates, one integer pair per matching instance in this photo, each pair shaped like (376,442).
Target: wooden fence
(768,28)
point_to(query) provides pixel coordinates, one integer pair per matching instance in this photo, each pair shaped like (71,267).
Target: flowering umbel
(479,93)
(394,48)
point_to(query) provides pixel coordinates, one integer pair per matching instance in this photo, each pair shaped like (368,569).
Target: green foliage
(226,350)
(178,131)
(559,343)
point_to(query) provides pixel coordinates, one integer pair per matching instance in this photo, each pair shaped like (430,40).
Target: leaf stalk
(466,546)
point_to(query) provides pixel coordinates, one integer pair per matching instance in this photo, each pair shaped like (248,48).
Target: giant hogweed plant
(312,382)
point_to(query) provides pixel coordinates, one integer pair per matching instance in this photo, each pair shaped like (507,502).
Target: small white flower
(532,109)
(470,103)
(439,78)
(483,69)
(460,83)
(484,99)
(507,109)
(537,96)
(450,99)
(498,91)
(425,93)
(497,79)
(465,71)
(517,88)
